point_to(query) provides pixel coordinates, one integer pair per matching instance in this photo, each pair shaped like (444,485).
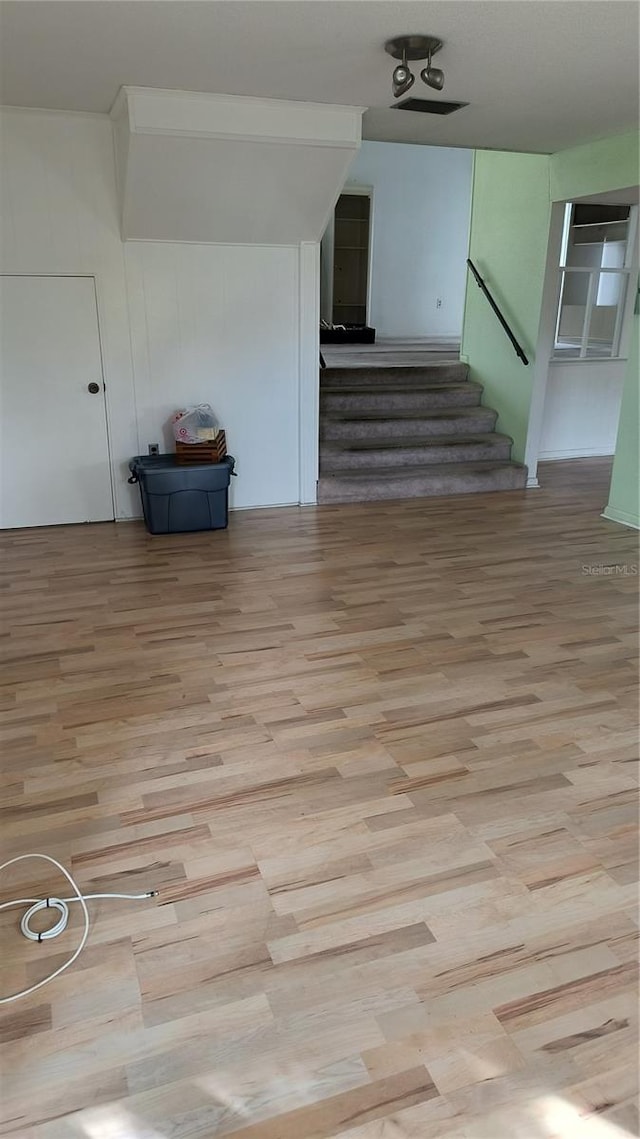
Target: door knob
(93,388)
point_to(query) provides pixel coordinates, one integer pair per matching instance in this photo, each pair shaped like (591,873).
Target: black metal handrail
(519,350)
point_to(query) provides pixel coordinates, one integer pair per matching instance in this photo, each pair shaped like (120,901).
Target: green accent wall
(608,164)
(624,493)
(510,215)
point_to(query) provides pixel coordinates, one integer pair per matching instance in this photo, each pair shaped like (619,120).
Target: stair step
(403,451)
(408,424)
(451,371)
(407,432)
(392,399)
(369,485)
(390,386)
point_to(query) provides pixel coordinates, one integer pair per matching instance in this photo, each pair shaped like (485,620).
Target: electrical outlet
(154,448)
(439,302)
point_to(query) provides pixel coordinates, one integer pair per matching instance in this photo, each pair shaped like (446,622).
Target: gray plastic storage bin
(178,498)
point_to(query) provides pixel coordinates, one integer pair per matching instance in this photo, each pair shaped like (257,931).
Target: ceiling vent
(428,106)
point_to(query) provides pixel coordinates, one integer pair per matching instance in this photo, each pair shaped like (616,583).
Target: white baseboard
(532,483)
(577,453)
(621,516)
(266,506)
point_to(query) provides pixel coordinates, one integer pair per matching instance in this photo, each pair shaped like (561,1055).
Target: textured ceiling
(539,75)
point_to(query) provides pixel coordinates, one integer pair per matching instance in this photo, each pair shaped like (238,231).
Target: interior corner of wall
(621,517)
(474,171)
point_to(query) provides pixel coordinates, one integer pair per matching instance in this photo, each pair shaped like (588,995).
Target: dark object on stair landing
(350,334)
(408,432)
(176,499)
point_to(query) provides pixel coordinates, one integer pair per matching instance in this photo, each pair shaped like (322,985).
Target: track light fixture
(414,47)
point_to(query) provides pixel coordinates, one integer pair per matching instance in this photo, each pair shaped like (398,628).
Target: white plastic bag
(195,424)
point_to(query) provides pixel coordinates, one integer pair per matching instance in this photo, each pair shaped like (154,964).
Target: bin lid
(151,463)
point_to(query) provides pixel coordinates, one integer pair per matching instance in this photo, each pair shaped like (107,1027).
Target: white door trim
(106,394)
(545,341)
(308,370)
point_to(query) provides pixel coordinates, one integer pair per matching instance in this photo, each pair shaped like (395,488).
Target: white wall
(179,323)
(581,408)
(218,324)
(421,208)
(59,215)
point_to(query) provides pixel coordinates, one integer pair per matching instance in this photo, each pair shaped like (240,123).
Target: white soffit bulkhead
(228,168)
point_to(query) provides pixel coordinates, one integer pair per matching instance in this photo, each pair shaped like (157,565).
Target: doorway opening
(596,262)
(393,257)
(345,269)
(585,331)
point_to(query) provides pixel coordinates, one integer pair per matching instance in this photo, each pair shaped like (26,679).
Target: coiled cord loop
(62,906)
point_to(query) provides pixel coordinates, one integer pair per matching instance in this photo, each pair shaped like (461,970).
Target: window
(595,273)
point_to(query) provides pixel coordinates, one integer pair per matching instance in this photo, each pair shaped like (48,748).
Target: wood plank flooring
(388,352)
(379,762)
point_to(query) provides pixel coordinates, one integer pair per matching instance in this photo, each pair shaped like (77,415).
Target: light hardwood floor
(379,763)
(385,353)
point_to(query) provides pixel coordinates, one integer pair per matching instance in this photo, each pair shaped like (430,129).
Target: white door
(54,460)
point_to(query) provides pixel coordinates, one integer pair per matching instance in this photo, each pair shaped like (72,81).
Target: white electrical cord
(62,906)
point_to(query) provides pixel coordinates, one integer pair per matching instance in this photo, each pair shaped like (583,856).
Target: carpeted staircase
(405,432)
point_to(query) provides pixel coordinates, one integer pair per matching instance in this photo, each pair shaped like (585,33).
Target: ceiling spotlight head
(402,79)
(433,77)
